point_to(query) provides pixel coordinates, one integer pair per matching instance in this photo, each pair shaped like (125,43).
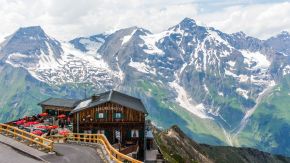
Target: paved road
(11,155)
(21,147)
(12,151)
(70,153)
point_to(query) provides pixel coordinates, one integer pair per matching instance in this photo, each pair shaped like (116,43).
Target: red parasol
(26,124)
(35,123)
(52,127)
(64,132)
(42,127)
(43,114)
(37,132)
(61,116)
(30,123)
(20,122)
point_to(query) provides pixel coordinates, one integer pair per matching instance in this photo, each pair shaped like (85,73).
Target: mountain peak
(284,34)
(31,28)
(30,31)
(187,22)
(30,41)
(29,34)
(240,34)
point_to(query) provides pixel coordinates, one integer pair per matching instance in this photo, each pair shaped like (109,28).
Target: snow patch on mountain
(255,59)
(142,67)
(128,37)
(13,58)
(220,93)
(186,102)
(243,92)
(91,46)
(286,70)
(229,73)
(150,42)
(215,36)
(205,88)
(231,63)
(243,78)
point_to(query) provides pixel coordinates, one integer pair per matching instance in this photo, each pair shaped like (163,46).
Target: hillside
(177,147)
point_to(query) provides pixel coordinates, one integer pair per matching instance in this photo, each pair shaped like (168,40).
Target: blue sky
(66,19)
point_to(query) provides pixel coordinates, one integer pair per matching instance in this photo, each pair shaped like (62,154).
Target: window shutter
(141,133)
(97,115)
(107,134)
(105,115)
(114,115)
(129,133)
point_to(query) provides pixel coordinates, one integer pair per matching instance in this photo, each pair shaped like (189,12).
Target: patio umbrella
(43,114)
(37,132)
(52,127)
(26,124)
(64,132)
(35,123)
(20,122)
(42,127)
(61,116)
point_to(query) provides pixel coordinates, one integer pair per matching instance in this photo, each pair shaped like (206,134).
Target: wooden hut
(119,116)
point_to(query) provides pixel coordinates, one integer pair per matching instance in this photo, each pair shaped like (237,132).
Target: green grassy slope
(166,114)
(269,127)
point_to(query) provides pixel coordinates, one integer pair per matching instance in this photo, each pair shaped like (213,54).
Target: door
(117,135)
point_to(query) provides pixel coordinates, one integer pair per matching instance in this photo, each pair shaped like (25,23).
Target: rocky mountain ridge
(177,147)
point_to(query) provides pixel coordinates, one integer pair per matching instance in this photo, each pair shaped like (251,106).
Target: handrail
(114,154)
(23,135)
(130,149)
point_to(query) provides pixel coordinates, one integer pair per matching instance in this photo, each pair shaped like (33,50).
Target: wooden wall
(109,109)
(131,120)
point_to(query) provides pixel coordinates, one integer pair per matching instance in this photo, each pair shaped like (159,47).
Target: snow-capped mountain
(54,62)
(187,58)
(215,85)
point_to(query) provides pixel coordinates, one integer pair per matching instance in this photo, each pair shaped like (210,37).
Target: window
(134,133)
(118,115)
(87,131)
(100,115)
(101,132)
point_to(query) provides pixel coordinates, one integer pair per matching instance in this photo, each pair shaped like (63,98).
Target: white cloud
(259,20)
(67,19)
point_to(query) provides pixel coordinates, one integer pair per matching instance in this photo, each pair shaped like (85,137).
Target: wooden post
(14,133)
(78,122)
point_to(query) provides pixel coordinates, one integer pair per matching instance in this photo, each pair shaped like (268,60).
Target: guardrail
(21,135)
(114,154)
(57,138)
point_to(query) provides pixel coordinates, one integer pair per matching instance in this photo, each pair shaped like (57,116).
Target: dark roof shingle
(68,103)
(115,97)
